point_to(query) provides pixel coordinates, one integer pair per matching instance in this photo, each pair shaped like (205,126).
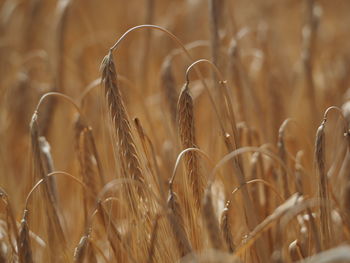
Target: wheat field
(174,131)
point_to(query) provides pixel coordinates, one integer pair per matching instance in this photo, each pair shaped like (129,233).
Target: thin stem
(149,26)
(337,109)
(113,183)
(259,181)
(206,61)
(178,159)
(45,178)
(239,151)
(93,84)
(189,46)
(63,96)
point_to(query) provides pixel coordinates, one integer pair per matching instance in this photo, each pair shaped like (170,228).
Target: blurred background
(281,59)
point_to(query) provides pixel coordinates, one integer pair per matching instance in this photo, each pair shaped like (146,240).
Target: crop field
(150,131)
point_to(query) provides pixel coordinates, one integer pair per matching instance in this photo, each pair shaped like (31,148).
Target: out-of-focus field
(93,139)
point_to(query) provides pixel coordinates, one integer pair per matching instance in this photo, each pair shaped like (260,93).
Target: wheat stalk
(169,88)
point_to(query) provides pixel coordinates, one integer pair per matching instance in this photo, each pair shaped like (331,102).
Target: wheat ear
(129,157)
(24,247)
(188,140)
(177,225)
(49,201)
(323,190)
(225,227)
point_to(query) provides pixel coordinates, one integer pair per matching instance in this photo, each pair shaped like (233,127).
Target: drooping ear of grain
(80,250)
(11,225)
(299,173)
(325,225)
(295,251)
(56,238)
(346,202)
(48,113)
(41,167)
(169,88)
(45,150)
(177,225)
(211,222)
(188,140)
(91,175)
(283,155)
(122,251)
(344,174)
(130,161)
(24,246)
(83,252)
(225,226)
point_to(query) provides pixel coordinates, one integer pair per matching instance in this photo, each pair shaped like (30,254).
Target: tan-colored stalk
(216,9)
(237,81)
(309,49)
(169,88)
